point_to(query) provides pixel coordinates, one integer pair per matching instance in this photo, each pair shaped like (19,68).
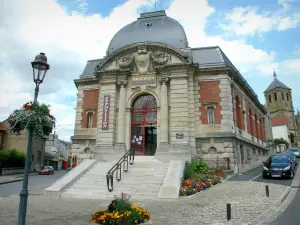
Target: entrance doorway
(143,125)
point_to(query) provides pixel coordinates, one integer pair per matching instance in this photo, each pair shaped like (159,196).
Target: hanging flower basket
(33,115)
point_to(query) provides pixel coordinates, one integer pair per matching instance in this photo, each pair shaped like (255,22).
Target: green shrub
(200,167)
(188,171)
(12,158)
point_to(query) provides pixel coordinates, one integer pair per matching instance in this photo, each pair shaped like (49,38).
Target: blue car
(278,166)
(292,157)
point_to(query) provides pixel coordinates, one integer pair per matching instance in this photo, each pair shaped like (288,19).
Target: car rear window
(294,150)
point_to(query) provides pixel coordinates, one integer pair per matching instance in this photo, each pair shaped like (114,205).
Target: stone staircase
(142,181)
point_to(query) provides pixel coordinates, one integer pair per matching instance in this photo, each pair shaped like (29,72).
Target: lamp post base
(23,207)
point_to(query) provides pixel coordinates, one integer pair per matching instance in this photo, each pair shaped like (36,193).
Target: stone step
(129,186)
(104,197)
(121,182)
(110,194)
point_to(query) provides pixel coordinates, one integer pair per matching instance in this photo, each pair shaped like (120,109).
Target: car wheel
(265,176)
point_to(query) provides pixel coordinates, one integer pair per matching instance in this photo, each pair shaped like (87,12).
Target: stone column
(128,129)
(164,120)
(121,117)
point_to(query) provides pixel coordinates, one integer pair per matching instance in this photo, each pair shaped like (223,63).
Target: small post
(228,211)
(267,191)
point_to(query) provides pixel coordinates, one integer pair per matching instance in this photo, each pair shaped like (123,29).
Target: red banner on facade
(105,115)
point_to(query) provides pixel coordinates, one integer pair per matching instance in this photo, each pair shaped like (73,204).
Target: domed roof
(152,26)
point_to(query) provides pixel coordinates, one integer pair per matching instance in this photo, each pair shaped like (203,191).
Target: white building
(56,151)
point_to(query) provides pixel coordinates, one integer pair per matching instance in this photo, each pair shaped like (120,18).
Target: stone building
(19,142)
(56,151)
(155,93)
(279,102)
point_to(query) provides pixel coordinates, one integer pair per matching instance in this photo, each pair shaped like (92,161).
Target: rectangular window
(211,114)
(89,119)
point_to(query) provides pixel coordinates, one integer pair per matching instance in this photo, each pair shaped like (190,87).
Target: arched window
(275,96)
(238,112)
(250,122)
(287,97)
(256,126)
(261,130)
(270,98)
(282,95)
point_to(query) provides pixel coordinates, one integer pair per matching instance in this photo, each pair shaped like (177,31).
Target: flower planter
(219,173)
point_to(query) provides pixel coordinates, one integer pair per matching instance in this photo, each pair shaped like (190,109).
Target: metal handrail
(128,157)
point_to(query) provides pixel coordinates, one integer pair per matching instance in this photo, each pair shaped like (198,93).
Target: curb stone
(266,214)
(283,196)
(18,178)
(11,181)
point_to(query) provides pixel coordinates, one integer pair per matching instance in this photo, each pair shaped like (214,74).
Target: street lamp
(40,67)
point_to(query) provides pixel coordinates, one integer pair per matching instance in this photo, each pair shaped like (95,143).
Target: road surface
(36,182)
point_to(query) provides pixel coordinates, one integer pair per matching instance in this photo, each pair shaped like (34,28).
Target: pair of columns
(124,117)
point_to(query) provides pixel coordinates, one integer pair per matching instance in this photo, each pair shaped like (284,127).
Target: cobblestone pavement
(247,198)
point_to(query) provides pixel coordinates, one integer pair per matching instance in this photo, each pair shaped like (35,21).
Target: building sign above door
(143,80)
(105,115)
(179,136)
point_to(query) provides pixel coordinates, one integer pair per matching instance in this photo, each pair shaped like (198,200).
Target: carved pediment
(160,58)
(143,58)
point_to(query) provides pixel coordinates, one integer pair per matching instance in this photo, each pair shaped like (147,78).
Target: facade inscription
(105,116)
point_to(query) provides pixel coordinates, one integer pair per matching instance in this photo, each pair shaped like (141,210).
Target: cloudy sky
(257,36)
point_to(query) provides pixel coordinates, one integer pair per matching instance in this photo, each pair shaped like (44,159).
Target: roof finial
(274,74)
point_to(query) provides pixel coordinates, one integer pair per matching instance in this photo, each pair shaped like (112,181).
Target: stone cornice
(134,48)
(86,81)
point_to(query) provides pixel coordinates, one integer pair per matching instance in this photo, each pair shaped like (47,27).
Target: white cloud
(247,21)
(286,4)
(69,40)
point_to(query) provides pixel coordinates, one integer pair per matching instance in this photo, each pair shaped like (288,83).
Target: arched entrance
(143,125)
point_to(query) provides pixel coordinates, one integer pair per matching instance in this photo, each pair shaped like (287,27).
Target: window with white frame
(211,114)
(89,120)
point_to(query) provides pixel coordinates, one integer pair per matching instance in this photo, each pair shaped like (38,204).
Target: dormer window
(275,96)
(282,94)
(287,96)
(270,98)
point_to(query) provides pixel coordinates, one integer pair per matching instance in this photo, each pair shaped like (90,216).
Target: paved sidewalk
(14,178)
(209,207)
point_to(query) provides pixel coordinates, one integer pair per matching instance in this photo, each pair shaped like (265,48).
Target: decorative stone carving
(163,80)
(160,58)
(126,61)
(142,59)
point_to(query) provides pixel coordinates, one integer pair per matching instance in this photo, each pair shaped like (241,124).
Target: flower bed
(121,211)
(192,186)
(197,177)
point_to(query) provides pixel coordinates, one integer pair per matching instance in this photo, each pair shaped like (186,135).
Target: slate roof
(153,26)
(276,84)
(89,69)
(211,56)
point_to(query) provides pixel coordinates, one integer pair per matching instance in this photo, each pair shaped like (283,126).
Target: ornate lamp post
(40,67)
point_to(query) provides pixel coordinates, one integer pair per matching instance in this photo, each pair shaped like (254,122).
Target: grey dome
(153,26)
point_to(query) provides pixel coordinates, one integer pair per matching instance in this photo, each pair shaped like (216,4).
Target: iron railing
(217,163)
(126,159)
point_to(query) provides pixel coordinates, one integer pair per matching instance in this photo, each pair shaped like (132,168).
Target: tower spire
(274,75)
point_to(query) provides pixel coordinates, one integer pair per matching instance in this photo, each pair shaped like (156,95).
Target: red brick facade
(238,101)
(255,122)
(210,94)
(90,103)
